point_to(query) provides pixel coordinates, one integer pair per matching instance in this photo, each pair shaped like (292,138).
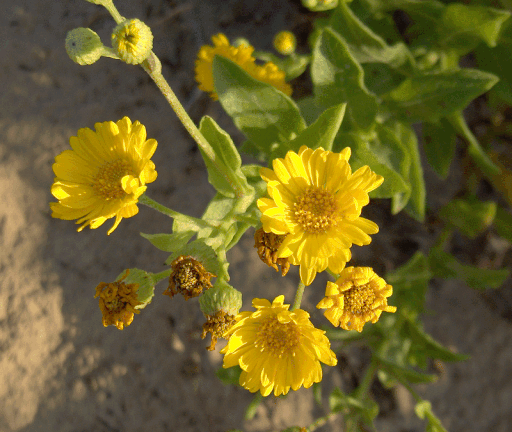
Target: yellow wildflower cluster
(242,56)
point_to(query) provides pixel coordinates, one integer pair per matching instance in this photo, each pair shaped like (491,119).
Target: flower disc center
(315,210)
(107,183)
(277,338)
(359,299)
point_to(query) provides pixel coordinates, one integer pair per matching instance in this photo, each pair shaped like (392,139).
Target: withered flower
(188,277)
(217,325)
(268,244)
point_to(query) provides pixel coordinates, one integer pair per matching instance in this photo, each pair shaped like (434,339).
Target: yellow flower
(132,41)
(117,302)
(104,175)
(242,56)
(276,349)
(358,296)
(316,200)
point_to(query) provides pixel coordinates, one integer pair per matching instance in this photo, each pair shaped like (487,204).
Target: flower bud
(84,46)
(285,43)
(319,5)
(222,297)
(132,40)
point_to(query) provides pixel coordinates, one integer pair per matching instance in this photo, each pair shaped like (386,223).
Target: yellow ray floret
(104,174)
(358,296)
(316,201)
(242,55)
(276,349)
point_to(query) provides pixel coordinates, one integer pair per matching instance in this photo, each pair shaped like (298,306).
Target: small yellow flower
(117,302)
(133,41)
(276,349)
(285,42)
(358,296)
(104,175)
(316,201)
(242,56)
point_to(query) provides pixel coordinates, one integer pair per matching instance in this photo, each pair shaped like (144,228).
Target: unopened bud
(84,46)
(132,40)
(222,297)
(285,43)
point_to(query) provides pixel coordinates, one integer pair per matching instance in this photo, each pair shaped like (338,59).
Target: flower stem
(199,223)
(157,277)
(298,296)
(154,69)
(367,380)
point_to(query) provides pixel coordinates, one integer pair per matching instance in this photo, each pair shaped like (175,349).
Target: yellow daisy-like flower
(316,200)
(104,175)
(358,296)
(242,56)
(276,349)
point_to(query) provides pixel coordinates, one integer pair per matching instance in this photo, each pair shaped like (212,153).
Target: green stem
(298,296)
(154,69)
(319,422)
(367,380)
(147,201)
(109,5)
(157,277)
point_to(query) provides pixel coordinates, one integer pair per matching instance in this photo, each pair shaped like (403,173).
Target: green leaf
(293,65)
(322,132)
(380,78)
(423,410)
(503,223)
(469,216)
(251,409)
(229,182)
(405,374)
(378,159)
(309,109)
(416,205)
(338,78)
(430,96)
(365,45)
(445,266)
(169,242)
(229,376)
(266,116)
(146,282)
(439,139)
(462,27)
(429,346)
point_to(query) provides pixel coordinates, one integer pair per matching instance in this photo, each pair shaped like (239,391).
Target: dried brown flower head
(117,302)
(217,325)
(268,244)
(188,277)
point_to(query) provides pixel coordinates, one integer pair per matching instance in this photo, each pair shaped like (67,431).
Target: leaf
(169,242)
(416,205)
(470,216)
(229,376)
(146,282)
(378,161)
(365,45)
(445,266)
(338,78)
(405,374)
(293,65)
(503,223)
(266,116)
(430,96)
(251,409)
(463,27)
(423,409)
(309,109)
(201,252)
(439,145)
(430,347)
(230,181)
(322,132)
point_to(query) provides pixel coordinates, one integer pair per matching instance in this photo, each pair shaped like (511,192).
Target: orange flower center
(277,338)
(359,300)
(107,183)
(315,210)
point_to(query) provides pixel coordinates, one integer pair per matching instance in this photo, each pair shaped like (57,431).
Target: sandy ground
(60,369)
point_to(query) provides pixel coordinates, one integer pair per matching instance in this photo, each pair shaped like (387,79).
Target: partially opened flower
(242,56)
(316,201)
(104,175)
(276,349)
(358,296)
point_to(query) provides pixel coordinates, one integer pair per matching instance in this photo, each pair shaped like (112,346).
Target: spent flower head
(133,41)
(217,325)
(315,201)
(104,174)
(358,296)
(188,277)
(268,245)
(118,301)
(242,56)
(276,349)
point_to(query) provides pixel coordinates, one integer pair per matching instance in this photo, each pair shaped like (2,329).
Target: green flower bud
(222,297)
(133,41)
(285,43)
(84,46)
(320,5)
(241,41)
